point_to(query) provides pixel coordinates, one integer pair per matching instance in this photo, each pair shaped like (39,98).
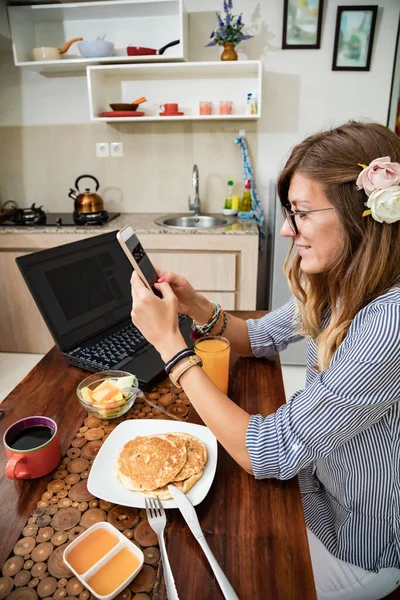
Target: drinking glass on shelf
(205,107)
(225,107)
(214,351)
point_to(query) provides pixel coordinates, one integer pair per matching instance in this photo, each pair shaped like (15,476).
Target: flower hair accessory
(381,182)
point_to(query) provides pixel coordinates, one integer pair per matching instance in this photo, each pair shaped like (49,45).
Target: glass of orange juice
(214,351)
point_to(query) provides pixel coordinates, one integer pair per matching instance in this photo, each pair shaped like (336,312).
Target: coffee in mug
(33,448)
(31,437)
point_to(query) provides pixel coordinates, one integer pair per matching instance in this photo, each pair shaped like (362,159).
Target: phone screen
(143,261)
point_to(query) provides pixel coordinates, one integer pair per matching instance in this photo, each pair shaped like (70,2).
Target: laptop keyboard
(113,349)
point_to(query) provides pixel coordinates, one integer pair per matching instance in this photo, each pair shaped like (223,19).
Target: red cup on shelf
(171,107)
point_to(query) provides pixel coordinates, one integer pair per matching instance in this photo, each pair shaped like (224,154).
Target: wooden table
(255,528)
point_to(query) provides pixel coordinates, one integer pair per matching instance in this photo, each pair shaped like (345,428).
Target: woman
(340,193)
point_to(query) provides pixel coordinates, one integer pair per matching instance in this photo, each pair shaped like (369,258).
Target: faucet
(195,205)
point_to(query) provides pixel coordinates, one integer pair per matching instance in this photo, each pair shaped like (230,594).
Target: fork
(157,520)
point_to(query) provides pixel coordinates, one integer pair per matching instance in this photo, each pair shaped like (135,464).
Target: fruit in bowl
(108,394)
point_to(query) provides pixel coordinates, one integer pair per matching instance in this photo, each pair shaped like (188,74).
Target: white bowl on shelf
(229,212)
(95,48)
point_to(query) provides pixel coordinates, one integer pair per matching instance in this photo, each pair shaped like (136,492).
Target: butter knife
(190,516)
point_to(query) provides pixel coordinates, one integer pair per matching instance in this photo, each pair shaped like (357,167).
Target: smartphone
(138,258)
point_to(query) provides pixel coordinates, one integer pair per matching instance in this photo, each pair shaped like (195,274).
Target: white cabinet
(221,267)
(182,83)
(148,23)
(213,274)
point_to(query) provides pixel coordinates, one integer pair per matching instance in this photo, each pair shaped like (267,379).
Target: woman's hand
(189,302)
(157,318)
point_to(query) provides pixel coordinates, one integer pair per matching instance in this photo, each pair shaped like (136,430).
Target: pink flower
(380,174)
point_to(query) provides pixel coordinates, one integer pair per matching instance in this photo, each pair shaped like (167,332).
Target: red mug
(169,108)
(33,448)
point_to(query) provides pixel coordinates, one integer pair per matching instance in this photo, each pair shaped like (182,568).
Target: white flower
(385,204)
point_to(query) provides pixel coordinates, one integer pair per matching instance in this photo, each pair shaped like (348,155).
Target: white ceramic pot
(96,48)
(46,53)
(50,53)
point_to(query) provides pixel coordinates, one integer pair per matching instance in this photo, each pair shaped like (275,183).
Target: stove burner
(90,218)
(29,216)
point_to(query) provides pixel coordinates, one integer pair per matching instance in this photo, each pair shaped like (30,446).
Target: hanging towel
(248,174)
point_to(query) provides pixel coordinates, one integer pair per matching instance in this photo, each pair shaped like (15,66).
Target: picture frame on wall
(354,37)
(302,22)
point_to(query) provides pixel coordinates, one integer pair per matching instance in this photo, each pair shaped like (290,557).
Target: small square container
(106,561)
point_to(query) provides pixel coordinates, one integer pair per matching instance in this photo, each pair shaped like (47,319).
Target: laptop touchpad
(146,365)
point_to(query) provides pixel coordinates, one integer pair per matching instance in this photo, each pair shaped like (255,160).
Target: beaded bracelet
(211,321)
(220,318)
(224,324)
(203,330)
(196,326)
(178,356)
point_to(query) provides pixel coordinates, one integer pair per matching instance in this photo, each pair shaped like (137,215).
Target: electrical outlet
(102,149)
(117,149)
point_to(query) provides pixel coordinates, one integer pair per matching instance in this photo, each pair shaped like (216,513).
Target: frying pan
(141,51)
(132,106)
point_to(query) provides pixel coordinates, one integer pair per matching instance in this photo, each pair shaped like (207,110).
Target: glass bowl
(108,409)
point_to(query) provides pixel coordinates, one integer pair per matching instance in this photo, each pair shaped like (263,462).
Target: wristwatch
(182,366)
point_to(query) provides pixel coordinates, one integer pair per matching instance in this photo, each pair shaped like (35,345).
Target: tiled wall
(39,164)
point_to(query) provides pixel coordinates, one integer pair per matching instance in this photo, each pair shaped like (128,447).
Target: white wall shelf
(148,23)
(182,83)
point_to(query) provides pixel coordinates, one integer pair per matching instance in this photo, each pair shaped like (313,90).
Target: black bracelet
(175,359)
(176,355)
(224,324)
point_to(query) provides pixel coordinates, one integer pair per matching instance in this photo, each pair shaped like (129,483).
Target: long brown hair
(369,261)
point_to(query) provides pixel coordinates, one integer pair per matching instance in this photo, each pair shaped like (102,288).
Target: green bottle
(228,199)
(246,199)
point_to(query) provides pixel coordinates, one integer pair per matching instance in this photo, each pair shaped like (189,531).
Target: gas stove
(35,216)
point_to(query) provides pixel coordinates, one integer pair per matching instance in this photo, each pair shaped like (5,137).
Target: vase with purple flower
(229,32)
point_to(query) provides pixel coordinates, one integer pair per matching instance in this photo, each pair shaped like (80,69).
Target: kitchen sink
(193,221)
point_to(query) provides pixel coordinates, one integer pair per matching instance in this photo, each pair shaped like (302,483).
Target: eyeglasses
(291,215)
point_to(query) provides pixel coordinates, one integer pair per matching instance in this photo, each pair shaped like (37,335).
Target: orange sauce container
(103,560)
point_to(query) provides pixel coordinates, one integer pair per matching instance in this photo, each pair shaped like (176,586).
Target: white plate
(103,482)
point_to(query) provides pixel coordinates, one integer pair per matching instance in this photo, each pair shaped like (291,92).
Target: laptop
(83,292)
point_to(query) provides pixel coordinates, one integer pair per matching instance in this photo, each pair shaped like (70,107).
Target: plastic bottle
(235,202)
(253,104)
(248,104)
(246,199)
(228,199)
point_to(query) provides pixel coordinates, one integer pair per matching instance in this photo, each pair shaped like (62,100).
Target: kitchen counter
(142,223)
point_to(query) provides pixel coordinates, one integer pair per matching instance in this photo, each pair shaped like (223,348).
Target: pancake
(164,493)
(150,462)
(196,457)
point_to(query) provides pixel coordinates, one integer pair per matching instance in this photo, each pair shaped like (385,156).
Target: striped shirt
(341,434)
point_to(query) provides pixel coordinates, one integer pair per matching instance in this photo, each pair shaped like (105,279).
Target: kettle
(88,202)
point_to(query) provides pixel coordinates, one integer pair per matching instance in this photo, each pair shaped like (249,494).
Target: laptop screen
(81,288)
